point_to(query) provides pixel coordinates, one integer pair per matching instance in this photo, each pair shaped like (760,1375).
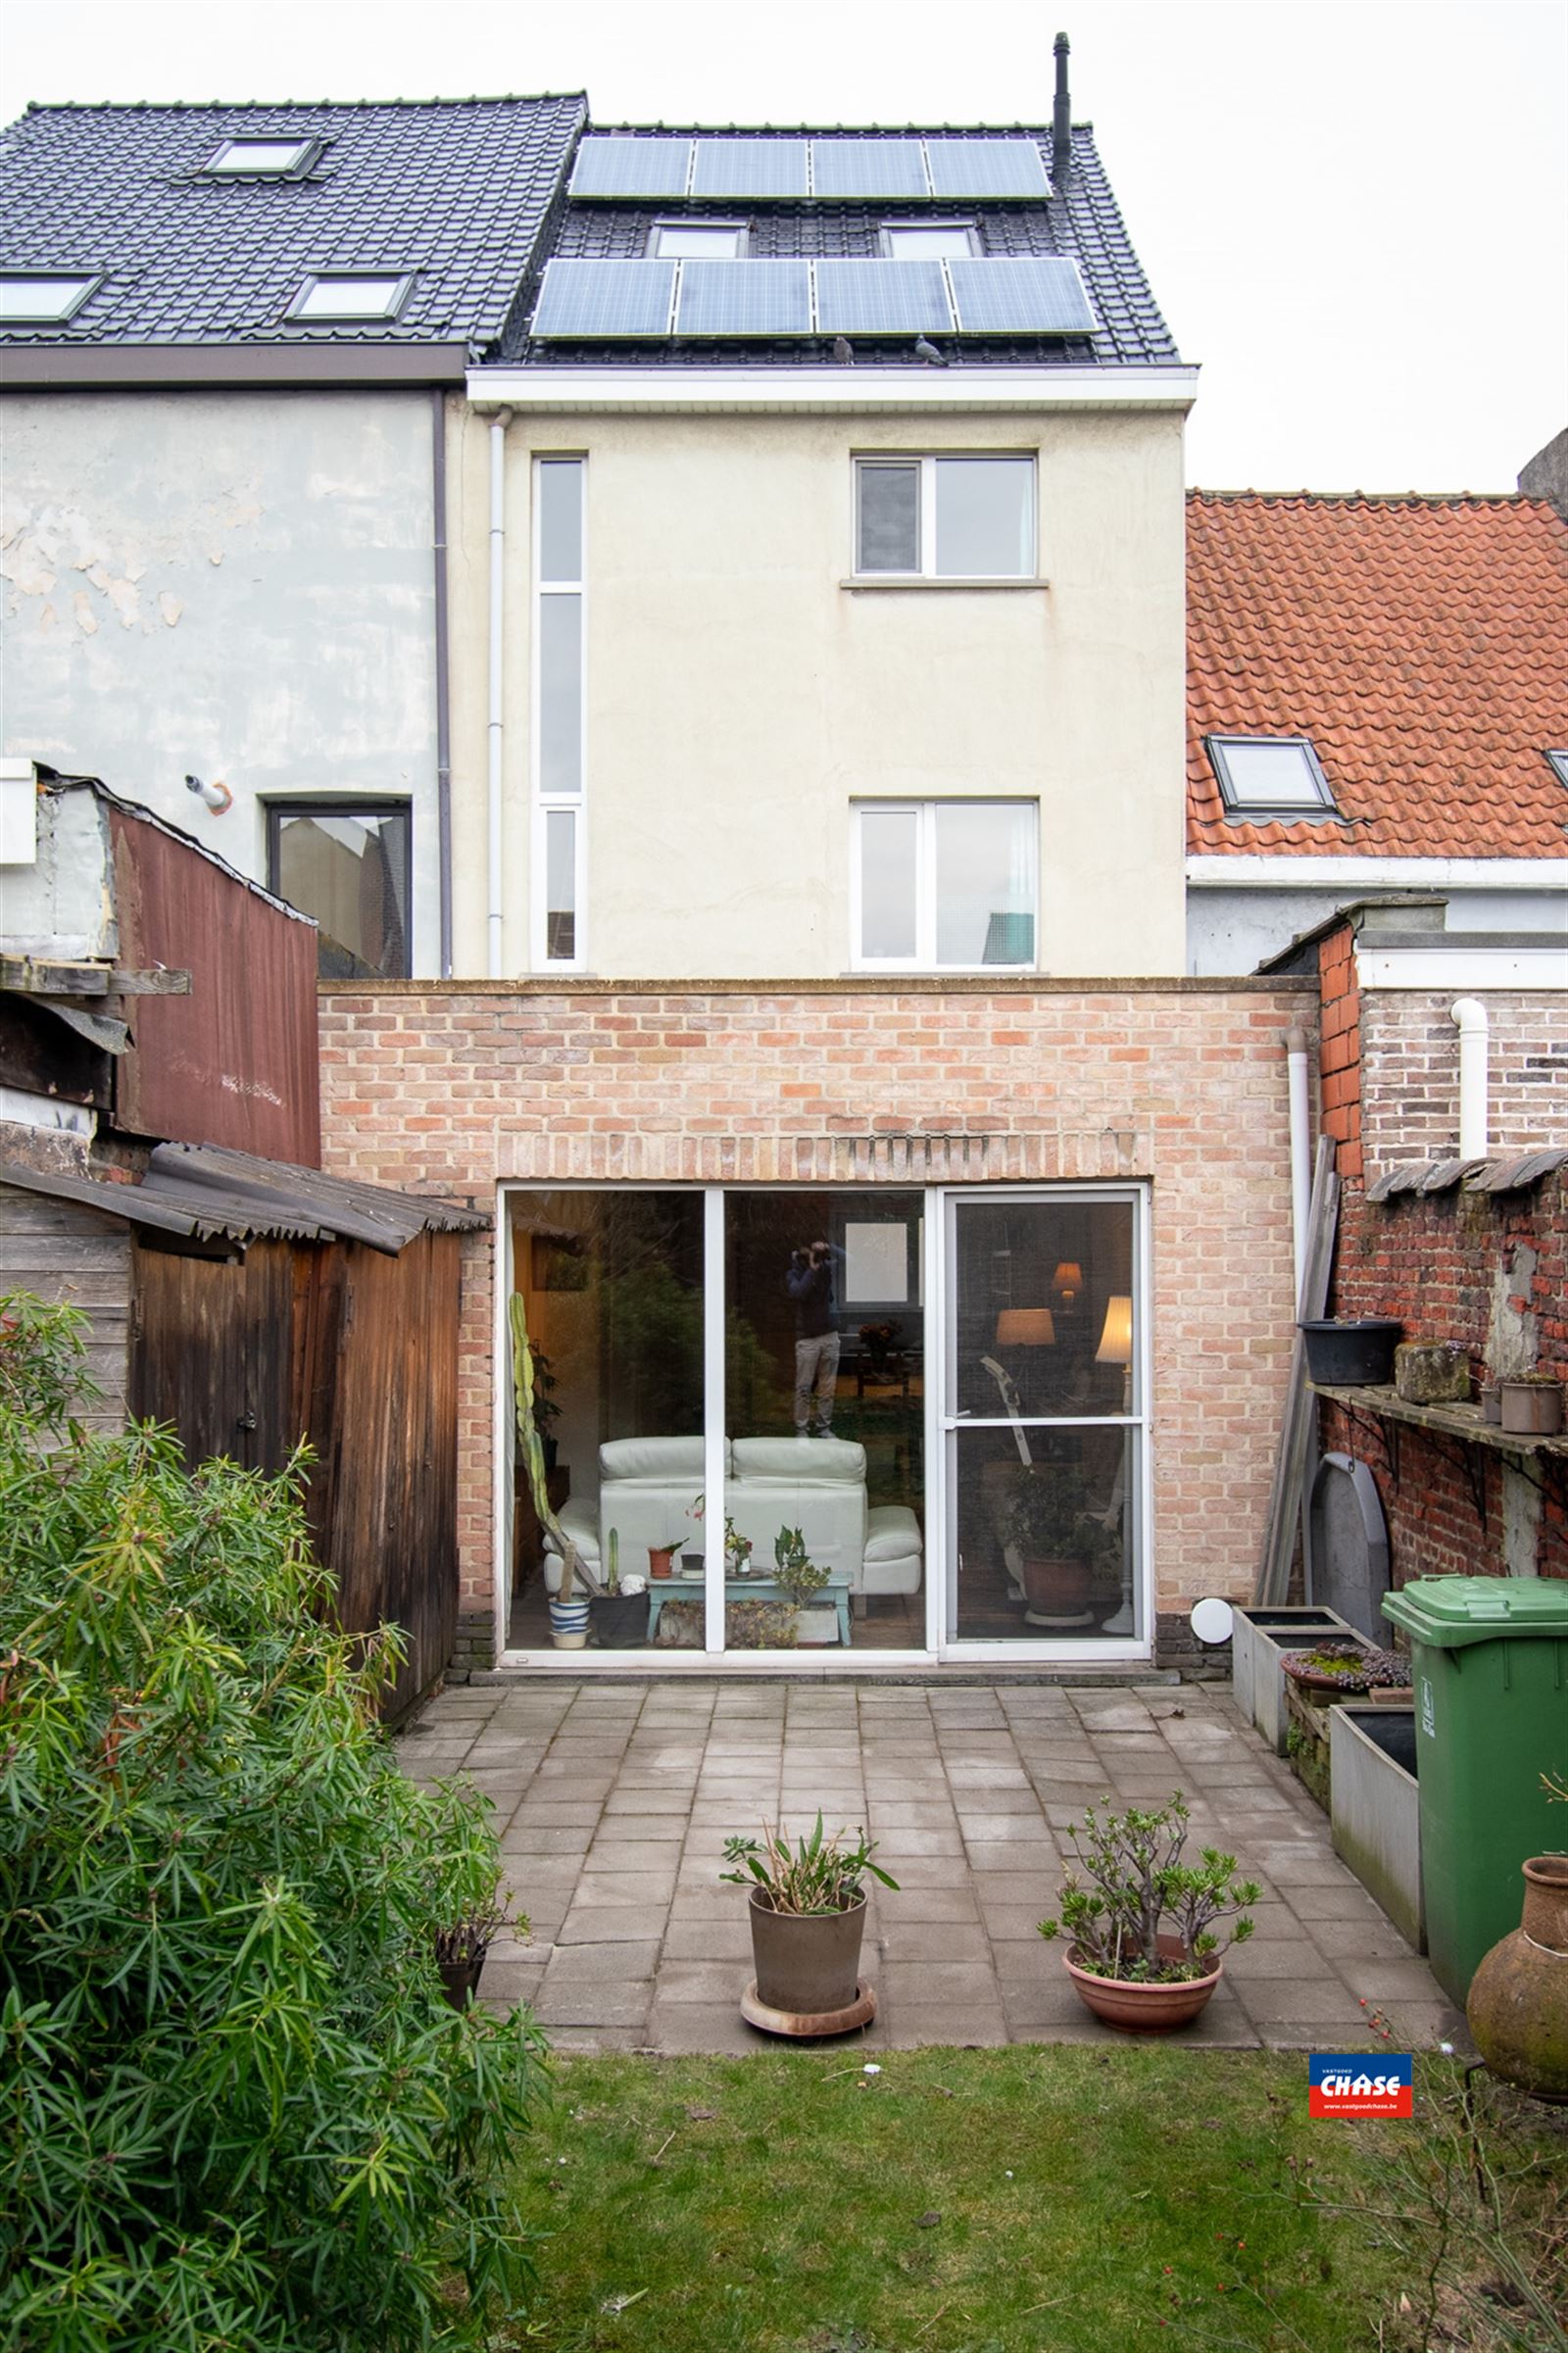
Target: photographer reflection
(812,1283)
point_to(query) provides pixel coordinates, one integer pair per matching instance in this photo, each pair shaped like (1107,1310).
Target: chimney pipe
(1061,114)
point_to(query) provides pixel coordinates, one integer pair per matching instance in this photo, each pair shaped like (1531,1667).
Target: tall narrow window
(558,711)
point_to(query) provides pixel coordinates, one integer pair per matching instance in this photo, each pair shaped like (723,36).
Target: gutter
(61,366)
(863,390)
(1287,871)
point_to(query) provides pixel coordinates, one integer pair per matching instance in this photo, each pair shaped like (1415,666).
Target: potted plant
(1346,1670)
(545,1409)
(477,1907)
(1351,1352)
(794,1573)
(1059,1542)
(736,1547)
(568,1607)
(619,1614)
(808,1913)
(1144,1954)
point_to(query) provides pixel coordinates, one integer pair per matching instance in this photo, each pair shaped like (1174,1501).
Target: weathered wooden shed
(265,1302)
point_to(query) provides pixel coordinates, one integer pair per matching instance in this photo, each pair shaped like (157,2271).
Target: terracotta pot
(1531,1409)
(806,1962)
(661,1560)
(1056,1585)
(1518,2005)
(1144,2009)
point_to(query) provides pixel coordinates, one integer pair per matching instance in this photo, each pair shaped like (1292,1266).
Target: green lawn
(1032,2200)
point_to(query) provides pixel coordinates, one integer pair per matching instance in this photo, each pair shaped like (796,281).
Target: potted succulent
(482,1908)
(619,1614)
(1348,1670)
(1144,1954)
(568,1606)
(736,1547)
(1061,1546)
(808,1913)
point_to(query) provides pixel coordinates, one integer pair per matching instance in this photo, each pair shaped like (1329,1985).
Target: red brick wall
(1340,997)
(452,1087)
(1473,1267)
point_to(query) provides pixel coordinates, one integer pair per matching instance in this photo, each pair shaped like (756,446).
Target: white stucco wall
(740,697)
(239,585)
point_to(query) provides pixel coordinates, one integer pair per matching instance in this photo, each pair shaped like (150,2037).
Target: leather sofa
(649,1488)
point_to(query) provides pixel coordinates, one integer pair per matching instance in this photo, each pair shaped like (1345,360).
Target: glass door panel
(825,1398)
(1041,1414)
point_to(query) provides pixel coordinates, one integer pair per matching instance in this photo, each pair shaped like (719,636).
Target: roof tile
(1422,643)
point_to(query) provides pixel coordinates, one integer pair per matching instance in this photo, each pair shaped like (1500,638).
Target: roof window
(1559,762)
(345,295)
(262,159)
(927,240)
(698,240)
(1268,776)
(37,296)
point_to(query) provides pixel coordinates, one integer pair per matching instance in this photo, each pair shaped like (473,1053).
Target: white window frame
(1558,762)
(86,284)
(888,228)
(227,160)
(544,802)
(739,230)
(322,281)
(926,549)
(924,958)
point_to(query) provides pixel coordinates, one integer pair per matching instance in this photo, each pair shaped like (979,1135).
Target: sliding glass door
(1042,1419)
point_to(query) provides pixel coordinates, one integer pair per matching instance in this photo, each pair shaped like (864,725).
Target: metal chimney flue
(1061,114)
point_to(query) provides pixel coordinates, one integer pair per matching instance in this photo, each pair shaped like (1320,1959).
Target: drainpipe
(443,680)
(1295,1053)
(1469,1016)
(497,544)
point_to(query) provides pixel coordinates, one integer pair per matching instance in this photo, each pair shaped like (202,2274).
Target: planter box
(1375,1809)
(1269,1711)
(1258,1637)
(1353,1354)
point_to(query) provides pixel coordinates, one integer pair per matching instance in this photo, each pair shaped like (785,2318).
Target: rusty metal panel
(235,1061)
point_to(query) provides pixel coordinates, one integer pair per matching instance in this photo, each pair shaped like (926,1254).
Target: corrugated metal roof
(209,1195)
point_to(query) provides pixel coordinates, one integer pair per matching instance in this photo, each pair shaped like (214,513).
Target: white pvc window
(698,240)
(39,298)
(1559,765)
(351,297)
(268,157)
(945,519)
(559,708)
(945,885)
(927,240)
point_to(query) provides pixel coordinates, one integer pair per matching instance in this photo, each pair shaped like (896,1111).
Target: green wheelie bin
(1489,1658)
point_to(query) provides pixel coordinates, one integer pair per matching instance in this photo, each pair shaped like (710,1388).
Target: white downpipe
(714,1421)
(1469,1016)
(498,549)
(1296,1055)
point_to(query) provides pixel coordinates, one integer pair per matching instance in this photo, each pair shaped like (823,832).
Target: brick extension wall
(1491,1270)
(1409,1059)
(450,1088)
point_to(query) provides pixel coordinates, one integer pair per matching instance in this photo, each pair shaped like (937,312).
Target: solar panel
(868,167)
(631,168)
(986,167)
(606,298)
(1040,295)
(750,167)
(882,298)
(744,298)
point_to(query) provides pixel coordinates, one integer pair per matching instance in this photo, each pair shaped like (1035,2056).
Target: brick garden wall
(1490,1270)
(450,1088)
(1409,1049)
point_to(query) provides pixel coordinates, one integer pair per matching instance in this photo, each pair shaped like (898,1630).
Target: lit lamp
(1067,1282)
(1026,1328)
(1116,1339)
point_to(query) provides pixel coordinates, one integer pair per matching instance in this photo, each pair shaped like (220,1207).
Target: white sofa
(648,1486)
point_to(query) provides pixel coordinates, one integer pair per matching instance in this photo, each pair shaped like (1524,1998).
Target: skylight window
(345,296)
(1268,776)
(37,298)
(927,240)
(1559,762)
(268,158)
(698,240)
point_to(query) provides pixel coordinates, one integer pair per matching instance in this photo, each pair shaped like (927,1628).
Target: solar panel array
(590,301)
(794,170)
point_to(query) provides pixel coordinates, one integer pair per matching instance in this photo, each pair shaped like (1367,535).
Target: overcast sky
(1354,217)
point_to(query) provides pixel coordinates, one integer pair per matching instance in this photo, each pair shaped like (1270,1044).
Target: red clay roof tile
(1422,643)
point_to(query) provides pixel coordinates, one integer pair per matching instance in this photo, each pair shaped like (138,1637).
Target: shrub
(234,2108)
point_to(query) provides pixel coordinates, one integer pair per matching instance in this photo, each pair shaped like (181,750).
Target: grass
(1057,2199)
